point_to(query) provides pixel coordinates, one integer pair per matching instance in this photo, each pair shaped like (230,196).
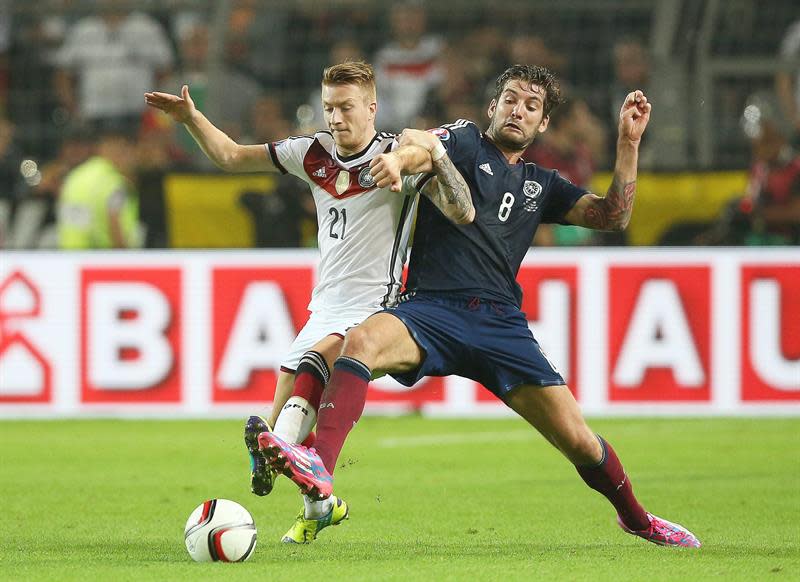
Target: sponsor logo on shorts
(405,297)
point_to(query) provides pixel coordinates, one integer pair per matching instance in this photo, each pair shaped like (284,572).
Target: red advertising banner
(199,334)
(130,335)
(256,313)
(27,372)
(770,354)
(659,333)
(426,391)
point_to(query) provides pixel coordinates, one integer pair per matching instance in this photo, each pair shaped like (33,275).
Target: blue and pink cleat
(262,477)
(664,533)
(302,465)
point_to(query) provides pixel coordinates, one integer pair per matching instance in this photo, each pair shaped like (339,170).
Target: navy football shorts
(483,340)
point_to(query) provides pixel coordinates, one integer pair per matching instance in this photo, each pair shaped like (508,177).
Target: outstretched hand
(385,169)
(179,108)
(634,116)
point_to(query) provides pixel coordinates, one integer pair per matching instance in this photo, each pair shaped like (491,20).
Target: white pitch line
(457,438)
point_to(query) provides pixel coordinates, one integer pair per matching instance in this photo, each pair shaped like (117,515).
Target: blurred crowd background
(83,164)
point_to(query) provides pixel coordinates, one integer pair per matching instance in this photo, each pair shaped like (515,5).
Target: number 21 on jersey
(337,230)
(505,207)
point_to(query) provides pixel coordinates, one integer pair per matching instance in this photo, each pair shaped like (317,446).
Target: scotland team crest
(531,189)
(365,179)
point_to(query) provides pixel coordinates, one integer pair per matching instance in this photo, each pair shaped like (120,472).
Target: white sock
(295,421)
(316,509)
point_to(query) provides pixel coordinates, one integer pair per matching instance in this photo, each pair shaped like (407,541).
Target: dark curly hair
(533,75)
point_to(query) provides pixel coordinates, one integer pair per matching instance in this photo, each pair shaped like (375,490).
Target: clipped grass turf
(430,500)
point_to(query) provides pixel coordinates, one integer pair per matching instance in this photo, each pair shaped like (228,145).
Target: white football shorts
(319,326)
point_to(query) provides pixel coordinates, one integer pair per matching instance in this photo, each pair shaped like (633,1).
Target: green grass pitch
(430,500)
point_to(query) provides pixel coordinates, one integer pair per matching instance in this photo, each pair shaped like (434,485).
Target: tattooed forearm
(450,192)
(614,211)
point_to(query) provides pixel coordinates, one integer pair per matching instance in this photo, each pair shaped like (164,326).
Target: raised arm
(220,149)
(613,212)
(421,151)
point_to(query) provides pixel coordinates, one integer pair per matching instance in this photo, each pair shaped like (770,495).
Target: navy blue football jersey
(482,259)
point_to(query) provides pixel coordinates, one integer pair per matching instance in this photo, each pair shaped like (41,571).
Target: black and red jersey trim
(404,214)
(274,157)
(323,168)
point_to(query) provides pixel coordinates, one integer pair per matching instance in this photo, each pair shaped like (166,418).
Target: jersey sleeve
(461,140)
(288,154)
(562,197)
(413,183)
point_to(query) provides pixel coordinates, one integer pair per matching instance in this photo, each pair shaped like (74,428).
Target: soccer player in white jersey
(363,235)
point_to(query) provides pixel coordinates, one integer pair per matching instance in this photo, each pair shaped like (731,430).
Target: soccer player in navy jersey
(462,313)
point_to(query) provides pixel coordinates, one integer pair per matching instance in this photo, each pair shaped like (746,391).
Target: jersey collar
(355,156)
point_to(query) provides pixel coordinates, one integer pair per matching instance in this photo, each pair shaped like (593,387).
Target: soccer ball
(220,530)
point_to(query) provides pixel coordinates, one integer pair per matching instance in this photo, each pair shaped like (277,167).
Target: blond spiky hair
(351,73)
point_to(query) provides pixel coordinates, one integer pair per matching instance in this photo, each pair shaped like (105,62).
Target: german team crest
(531,189)
(365,179)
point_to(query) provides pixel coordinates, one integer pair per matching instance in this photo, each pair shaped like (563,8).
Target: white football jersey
(363,230)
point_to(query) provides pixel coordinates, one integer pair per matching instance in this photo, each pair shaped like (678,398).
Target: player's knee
(358,343)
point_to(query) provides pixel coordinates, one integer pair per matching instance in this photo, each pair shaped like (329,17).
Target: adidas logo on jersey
(320,173)
(486,168)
